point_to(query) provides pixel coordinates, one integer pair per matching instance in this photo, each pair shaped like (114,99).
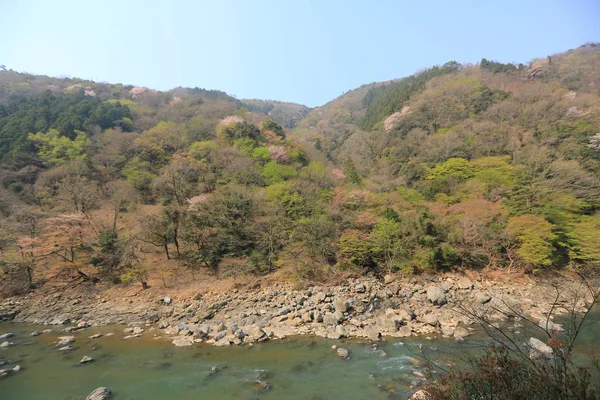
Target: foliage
(276,173)
(536,236)
(501,375)
(55,149)
(495,67)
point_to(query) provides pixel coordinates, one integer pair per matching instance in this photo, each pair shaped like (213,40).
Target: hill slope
(492,165)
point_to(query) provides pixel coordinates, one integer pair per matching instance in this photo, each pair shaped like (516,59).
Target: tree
(158,143)
(55,149)
(270,125)
(351,172)
(536,239)
(276,173)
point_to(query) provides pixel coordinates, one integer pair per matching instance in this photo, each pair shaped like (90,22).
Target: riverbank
(356,308)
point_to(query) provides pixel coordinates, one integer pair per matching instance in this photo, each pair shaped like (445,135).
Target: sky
(307,52)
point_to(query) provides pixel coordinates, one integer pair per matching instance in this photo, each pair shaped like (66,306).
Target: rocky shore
(358,308)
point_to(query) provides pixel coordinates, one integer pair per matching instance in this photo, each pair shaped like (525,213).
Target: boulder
(341,305)
(167,300)
(482,298)
(183,341)
(319,297)
(137,330)
(342,353)
(461,333)
(102,393)
(506,305)
(34,334)
(341,331)
(550,326)
(86,359)
(6,344)
(333,318)
(436,295)
(464,283)
(420,395)
(6,335)
(430,319)
(360,288)
(540,346)
(96,336)
(65,341)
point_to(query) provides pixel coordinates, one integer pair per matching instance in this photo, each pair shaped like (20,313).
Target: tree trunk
(166,245)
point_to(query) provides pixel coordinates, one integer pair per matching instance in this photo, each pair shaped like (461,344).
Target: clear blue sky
(303,51)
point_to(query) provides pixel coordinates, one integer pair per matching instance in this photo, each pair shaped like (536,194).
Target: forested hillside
(459,166)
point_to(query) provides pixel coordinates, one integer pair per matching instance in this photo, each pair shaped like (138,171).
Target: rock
(131,336)
(333,318)
(550,326)
(405,331)
(319,297)
(436,295)
(34,334)
(163,325)
(482,298)
(341,305)
(341,331)
(360,288)
(387,279)
(102,393)
(6,344)
(137,330)
(540,346)
(6,335)
(96,336)
(461,333)
(86,359)
(389,323)
(420,395)
(16,368)
(223,342)
(507,305)
(65,341)
(430,319)
(254,334)
(262,386)
(167,300)
(342,353)
(82,325)
(66,348)
(317,316)
(183,341)
(464,283)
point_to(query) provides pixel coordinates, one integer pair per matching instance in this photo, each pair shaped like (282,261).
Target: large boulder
(540,346)
(436,295)
(482,298)
(342,353)
(102,393)
(420,395)
(333,318)
(341,305)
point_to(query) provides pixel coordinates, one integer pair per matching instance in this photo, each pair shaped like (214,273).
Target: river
(304,368)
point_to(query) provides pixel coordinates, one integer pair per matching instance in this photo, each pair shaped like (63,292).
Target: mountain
(457,167)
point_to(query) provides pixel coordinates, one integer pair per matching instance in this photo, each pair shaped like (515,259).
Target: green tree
(55,149)
(535,236)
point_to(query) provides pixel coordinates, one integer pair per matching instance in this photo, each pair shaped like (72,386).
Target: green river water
(304,368)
